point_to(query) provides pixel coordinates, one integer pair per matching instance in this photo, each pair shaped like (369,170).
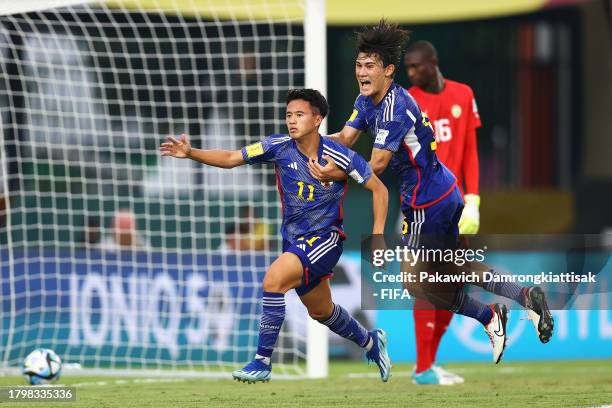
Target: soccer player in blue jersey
(431,201)
(311,229)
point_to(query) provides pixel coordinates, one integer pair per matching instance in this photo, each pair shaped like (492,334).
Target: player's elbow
(380,160)
(378,167)
(234,159)
(378,188)
(230,165)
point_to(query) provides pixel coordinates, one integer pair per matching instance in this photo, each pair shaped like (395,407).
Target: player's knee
(275,285)
(318,316)
(320,313)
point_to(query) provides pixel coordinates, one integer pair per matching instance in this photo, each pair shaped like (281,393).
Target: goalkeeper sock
(466,305)
(508,290)
(270,324)
(345,325)
(443,318)
(424,324)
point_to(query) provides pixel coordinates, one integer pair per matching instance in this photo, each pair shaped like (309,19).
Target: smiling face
(372,77)
(301,118)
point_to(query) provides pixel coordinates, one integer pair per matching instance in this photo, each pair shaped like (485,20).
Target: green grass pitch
(351,384)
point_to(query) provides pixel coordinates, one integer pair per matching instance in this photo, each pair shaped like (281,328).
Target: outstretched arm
(181,149)
(380,201)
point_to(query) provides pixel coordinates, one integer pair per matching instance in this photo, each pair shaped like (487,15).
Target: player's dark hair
(385,40)
(313,97)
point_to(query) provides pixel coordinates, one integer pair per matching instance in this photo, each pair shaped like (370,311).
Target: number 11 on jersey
(310,191)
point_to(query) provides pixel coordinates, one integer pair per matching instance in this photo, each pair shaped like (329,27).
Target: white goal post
(88,90)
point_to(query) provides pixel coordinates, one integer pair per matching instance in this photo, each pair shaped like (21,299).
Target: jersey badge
(254,150)
(456,111)
(381,136)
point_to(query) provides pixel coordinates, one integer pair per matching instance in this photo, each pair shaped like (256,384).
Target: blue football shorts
(436,226)
(319,255)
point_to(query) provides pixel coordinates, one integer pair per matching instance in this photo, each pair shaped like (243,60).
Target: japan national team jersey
(397,125)
(454,115)
(310,207)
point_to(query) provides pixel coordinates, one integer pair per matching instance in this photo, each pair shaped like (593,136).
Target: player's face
(301,119)
(421,72)
(373,78)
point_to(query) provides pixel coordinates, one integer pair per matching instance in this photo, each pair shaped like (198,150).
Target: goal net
(114,257)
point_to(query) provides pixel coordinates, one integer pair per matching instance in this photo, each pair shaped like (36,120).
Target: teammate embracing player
(431,200)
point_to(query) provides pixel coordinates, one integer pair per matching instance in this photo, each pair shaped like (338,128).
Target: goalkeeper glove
(470,217)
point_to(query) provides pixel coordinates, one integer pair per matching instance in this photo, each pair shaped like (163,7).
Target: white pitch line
(124,382)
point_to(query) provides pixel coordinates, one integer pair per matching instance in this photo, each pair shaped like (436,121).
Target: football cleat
(378,353)
(456,379)
(431,377)
(538,312)
(253,372)
(496,330)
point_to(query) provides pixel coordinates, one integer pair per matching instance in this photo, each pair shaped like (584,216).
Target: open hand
(179,148)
